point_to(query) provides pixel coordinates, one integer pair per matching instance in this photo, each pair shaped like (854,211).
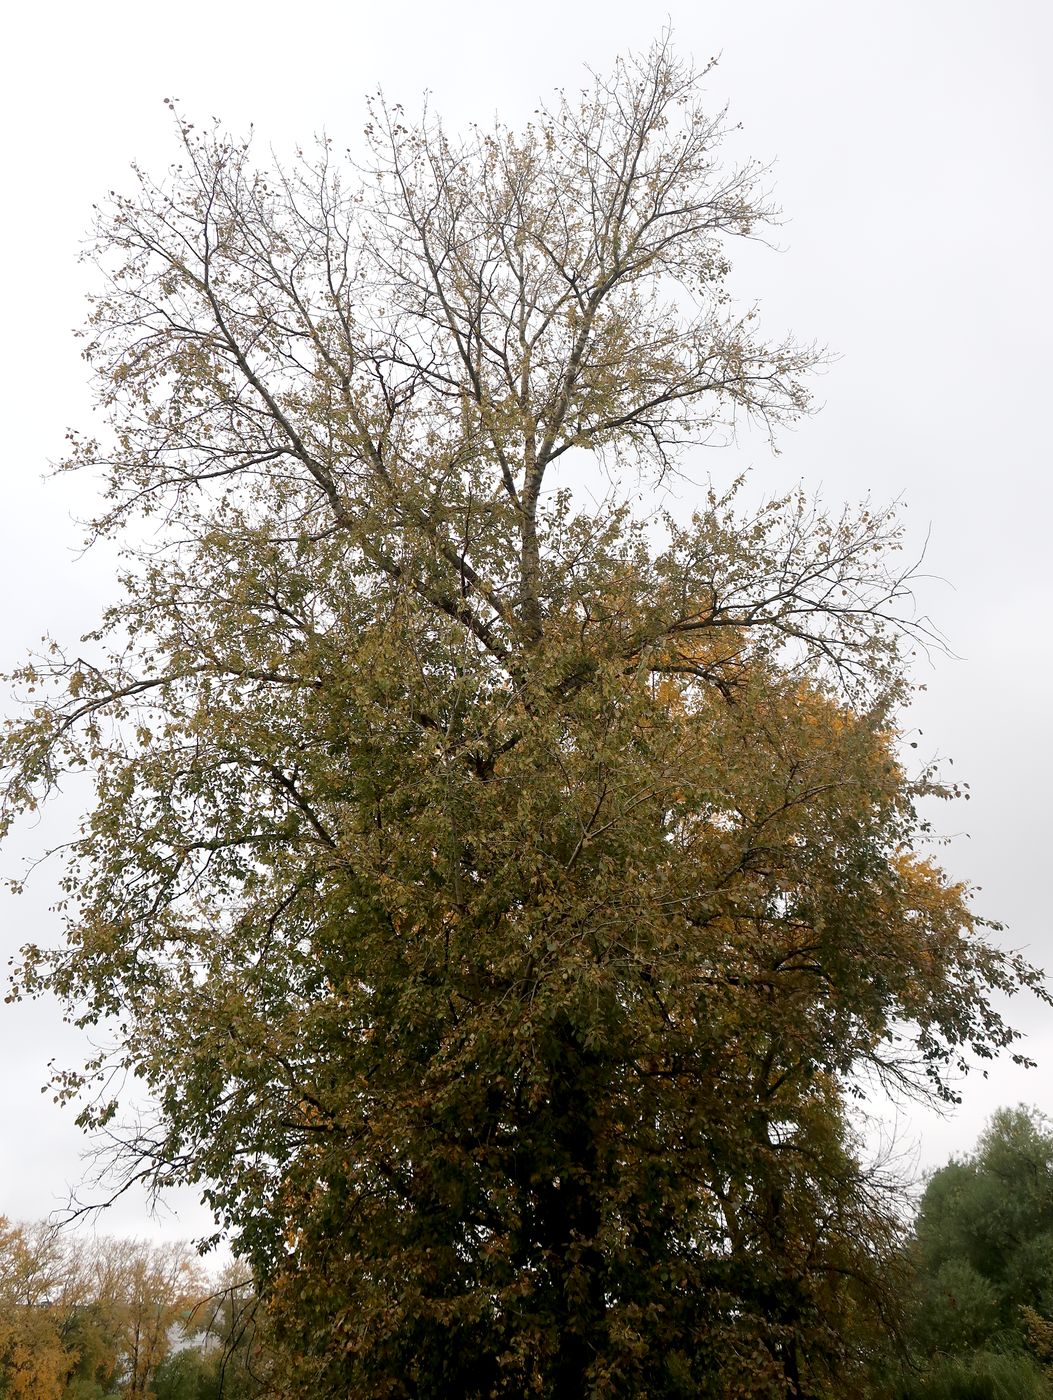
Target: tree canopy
(979,1259)
(499,892)
(986,1222)
(97,1320)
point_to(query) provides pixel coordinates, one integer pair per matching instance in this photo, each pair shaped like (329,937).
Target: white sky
(912,148)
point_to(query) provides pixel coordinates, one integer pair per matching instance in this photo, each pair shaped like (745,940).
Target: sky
(910,145)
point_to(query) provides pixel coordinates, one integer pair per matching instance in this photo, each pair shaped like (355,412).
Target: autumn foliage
(502,896)
(101,1319)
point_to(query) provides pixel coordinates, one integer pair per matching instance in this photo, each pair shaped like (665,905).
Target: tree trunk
(569,1215)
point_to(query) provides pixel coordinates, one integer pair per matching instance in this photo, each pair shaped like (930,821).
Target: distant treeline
(114,1319)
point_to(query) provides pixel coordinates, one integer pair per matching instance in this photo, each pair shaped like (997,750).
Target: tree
(497,891)
(988,1219)
(143,1293)
(981,1255)
(231,1358)
(88,1321)
(35,1358)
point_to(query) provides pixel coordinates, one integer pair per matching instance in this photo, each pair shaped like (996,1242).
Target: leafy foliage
(496,893)
(98,1321)
(985,1231)
(981,1257)
(981,1375)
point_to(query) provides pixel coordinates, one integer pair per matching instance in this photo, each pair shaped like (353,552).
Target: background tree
(986,1224)
(982,1261)
(90,1320)
(230,1358)
(495,891)
(145,1293)
(35,1357)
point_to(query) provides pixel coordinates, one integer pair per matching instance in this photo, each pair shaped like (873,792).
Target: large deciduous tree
(497,892)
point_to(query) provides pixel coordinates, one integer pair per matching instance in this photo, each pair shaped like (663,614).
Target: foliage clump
(980,1319)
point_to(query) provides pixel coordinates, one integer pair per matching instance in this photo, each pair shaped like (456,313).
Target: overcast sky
(911,151)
